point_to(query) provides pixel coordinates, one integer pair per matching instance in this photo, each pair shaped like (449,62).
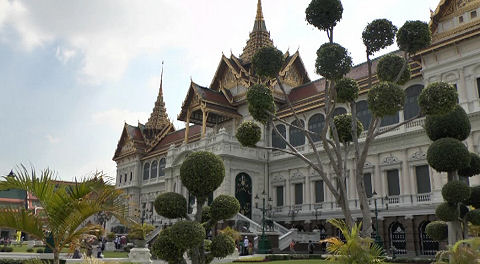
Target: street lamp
(264,245)
(378,239)
(317,213)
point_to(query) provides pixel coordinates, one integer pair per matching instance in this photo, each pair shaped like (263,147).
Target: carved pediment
(419,155)
(390,160)
(127,147)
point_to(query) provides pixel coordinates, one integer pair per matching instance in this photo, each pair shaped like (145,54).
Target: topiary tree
(201,173)
(474,199)
(324,15)
(260,102)
(343,123)
(388,68)
(437,230)
(267,62)
(385,98)
(448,155)
(222,246)
(347,90)
(438,98)
(248,134)
(333,61)
(454,124)
(473,168)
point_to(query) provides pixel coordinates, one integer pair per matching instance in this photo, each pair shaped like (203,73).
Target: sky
(72,72)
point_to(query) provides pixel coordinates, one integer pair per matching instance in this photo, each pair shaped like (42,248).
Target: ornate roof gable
(449,13)
(130,142)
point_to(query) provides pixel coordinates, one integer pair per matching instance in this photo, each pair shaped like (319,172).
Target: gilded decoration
(127,147)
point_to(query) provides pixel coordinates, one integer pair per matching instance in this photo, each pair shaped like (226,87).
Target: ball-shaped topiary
(347,90)
(385,98)
(437,230)
(343,123)
(333,61)
(260,102)
(438,98)
(413,36)
(267,62)
(474,217)
(324,14)
(222,246)
(202,172)
(455,192)
(248,134)
(171,205)
(187,234)
(165,248)
(224,207)
(474,199)
(448,154)
(390,66)
(378,35)
(454,124)
(472,169)
(447,212)
(206,216)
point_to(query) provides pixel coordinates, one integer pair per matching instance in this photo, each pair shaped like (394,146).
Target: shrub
(455,192)
(447,212)
(437,230)
(267,62)
(378,35)
(248,134)
(171,205)
(390,66)
(140,231)
(207,245)
(385,98)
(333,61)
(165,248)
(40,250)
(448,154)
(438,98)
(224,207)
(454,124)
(473,168)
(474,197)
(324,14)
(347,90)
(222,246)
(202,172)
(260,100)
(234,234)
(206,214)
(343,123)
(413,36)
(474,217)
(6,249)
(187,234)
(29,250)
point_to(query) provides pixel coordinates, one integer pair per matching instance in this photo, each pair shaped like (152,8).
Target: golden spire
(259,37)
(259,11)
(159,118)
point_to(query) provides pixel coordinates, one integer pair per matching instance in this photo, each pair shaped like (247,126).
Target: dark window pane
(339,111)
(297,138)
(210,199)
(367,180)
(316,124)
(146,170)
(478,86)
(153,170)
(120,178)
(299,193)
(280,196)
(131,176)
(363,114)
(319,193)
(277,141)
(125,178)
(423,179)
(411,108)
(393,183)
(161,167)
(390,120)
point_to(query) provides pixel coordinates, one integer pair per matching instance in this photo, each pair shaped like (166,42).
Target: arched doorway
(243,193)
(428,246)
(398,240)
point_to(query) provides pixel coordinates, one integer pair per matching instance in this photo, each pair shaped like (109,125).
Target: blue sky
(71,72)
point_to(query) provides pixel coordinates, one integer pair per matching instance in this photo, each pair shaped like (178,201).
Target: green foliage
(222,246)
(437,230)
(474,197)
(390,66)
(472,169)
(202,172)
(206,216)
(187,234)
(260,101)
(234,234)
(171,205)
(333,61)
(39,250)
(455,192)
(473,217)
(224,207)
(438,98)
(248,134)
(140,231)
(207,245)
(165,248)
(343,123)
(463,252)
(378,35)
(454,124)
(324,14)
(385,98)
(347,90)
(357,249)
(413,36)
(448,154)
(110,236)
(447,212)
(267,62)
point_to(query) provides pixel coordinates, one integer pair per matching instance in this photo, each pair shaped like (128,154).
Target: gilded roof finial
(159,118)
(259,37)
(259,11)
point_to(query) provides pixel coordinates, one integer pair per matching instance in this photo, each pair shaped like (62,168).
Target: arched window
(161,169)
(153,169)
(363,114)
(411,108)
(339,111)
(316,124)
(277,141)
(297,138)
(146,170)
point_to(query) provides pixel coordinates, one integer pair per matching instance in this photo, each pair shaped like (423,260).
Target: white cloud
(65,54)
(52,139)
(115,118)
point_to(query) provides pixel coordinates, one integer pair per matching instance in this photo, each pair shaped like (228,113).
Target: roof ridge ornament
(159,118)
(259,37)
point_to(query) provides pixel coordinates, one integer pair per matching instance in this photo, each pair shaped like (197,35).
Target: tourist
(245,245)
(311,246)
(292,247)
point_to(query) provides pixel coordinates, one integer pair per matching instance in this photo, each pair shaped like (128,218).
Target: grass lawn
(306,261)
(115,254)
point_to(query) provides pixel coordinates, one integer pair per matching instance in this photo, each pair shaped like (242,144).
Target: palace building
(397,176)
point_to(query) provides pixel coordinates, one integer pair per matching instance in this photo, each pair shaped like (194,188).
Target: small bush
(40,250)
(165,247)
(454,124)
(324,14)
(187,234)
(474,217)
(455,192)
(347,90)
(378,34)
(448,154)
(171,205)
(472,169)
(248,134)
(343,123)
(224,207)
(447,212)
(222,246)
(267,62)
(260,102)
(390,66)
(437,230)
(413,36)
(385,98)
(438,98)
(6,249)
(333,61)
(29,250)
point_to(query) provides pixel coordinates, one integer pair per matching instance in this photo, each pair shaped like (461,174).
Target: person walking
(311,246)
(245,245)
(292,247)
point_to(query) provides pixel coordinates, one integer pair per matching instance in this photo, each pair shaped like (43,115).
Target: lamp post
(264,245)
(378,239)
(317,213)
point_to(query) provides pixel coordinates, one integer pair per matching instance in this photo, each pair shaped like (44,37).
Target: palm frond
(20,219)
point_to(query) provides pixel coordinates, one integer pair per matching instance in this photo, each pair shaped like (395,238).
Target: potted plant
(138,233)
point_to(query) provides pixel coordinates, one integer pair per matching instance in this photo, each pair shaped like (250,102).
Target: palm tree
(65,208)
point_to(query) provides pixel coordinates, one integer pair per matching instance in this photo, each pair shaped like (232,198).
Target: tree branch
(378,133)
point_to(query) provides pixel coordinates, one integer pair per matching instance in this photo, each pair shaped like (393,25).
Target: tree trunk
(198,253)
(56,256)
(343,202)
(454,227)
(364,206)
